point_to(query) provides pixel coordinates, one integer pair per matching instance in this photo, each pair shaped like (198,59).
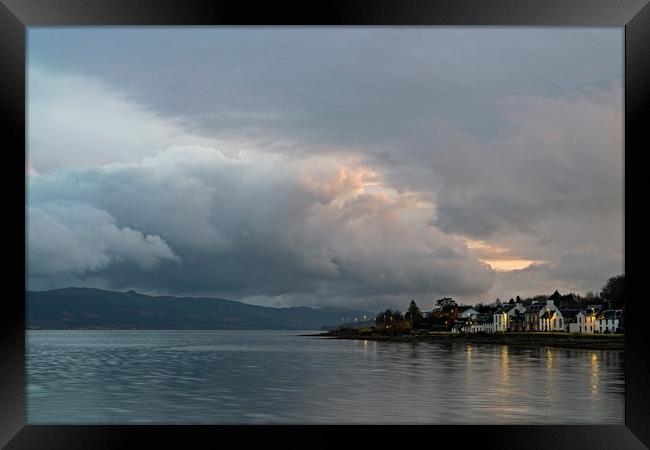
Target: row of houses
(539,316)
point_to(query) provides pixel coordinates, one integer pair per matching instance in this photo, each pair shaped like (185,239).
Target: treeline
(394,322)
(446,310)
(611,296)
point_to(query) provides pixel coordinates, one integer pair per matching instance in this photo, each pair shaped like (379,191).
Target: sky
(326,166)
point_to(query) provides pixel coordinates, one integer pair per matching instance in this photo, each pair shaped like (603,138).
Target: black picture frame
(16,15)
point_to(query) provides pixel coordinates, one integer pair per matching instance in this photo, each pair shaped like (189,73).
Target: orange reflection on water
(595,370)
(549,358)
(550,372)
(505,365)
(468,353)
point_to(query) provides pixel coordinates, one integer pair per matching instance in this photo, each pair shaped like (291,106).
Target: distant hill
(84,308)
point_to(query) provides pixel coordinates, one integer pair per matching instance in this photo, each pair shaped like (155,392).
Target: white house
(608,321)
(467,312)
(586,320)
(551,320)
(503,315)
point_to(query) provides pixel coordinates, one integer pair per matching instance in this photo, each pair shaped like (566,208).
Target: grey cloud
(76,238)
(270,226)
(343,86)
(562,158)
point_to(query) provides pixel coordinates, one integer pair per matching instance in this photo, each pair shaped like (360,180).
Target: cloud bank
(257,226)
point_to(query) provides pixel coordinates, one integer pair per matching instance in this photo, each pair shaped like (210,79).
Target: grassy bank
(562,340)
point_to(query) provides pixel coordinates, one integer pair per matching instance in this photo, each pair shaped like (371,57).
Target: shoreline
(530,339)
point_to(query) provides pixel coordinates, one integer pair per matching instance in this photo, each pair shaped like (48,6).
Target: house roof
(610,314)
(548,314)
(569,313)
(591,309)
(535,307)
(505,308)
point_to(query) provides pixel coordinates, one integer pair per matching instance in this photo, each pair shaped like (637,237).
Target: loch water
(280,377)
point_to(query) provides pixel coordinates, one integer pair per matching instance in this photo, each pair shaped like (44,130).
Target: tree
(446,303)
(518,299)
(512,301)
(614,291)
(413,315)
(568,301)
(582,302)
(539,298)
(497,301)
(555,296)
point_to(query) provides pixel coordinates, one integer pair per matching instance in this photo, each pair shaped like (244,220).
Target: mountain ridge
(92,308)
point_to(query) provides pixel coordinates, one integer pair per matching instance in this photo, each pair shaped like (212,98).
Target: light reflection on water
(279,377)
(594,375)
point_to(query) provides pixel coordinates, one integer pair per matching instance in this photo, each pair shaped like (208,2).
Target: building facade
(608,321)
(551,320)
(503,316)
(570,317)
(586,319)
(541,317)
(534,313)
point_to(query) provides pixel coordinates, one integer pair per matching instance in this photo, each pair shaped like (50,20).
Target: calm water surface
(251,377)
